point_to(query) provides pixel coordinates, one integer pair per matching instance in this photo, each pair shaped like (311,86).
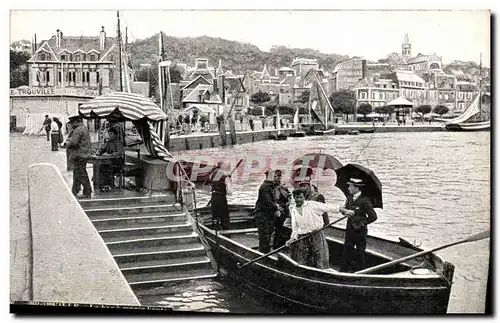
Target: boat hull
(324,132)
(319,291)
(298,134)
(469,126)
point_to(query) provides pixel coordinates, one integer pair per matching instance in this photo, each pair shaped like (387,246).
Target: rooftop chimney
(102,39)
(58,38)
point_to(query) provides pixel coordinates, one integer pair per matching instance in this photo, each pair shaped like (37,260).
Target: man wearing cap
(267,208)
(361,213)
(81,145)
(221,187)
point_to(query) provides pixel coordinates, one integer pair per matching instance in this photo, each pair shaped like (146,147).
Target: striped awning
(122,105)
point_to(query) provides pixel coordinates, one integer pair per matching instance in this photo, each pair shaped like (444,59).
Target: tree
(18,69)
(343,102)
(285,109)
(364,109)
(255,111)
(260,97)
(441,109)
(423,109)
(304,97)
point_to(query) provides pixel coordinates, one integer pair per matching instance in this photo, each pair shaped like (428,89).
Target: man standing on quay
(81,145)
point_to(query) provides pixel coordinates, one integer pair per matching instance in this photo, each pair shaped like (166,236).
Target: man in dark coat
(46,125)
(267,208)
(361,213)
(113,147)
(221,187)
(282,233)
(81,145)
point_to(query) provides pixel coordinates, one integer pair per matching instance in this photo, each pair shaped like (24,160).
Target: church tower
(406,48)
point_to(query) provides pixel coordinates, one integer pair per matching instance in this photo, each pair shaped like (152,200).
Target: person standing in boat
(306,217)
(360,215)
(221,187)
(267,208)
(282,233)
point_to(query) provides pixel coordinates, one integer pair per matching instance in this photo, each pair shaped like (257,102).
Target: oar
(230,174)
(283,247)
(476,237)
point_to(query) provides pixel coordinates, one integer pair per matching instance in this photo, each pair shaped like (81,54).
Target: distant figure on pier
(221,187)
(80,142)
(267,208)
(60,139)
(54,135)
(46,125)
(250,122)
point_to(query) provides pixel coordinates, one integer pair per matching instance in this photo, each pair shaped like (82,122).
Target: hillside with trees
(236,56)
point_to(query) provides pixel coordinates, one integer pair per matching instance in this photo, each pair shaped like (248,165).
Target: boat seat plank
(238,231)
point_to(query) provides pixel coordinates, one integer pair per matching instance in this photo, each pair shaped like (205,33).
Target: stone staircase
(151,240)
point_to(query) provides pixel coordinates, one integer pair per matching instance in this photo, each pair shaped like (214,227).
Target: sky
(460,35)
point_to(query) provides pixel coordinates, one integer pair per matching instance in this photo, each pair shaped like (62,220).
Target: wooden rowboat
(419,286)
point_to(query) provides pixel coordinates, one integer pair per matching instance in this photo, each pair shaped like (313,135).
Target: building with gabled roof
(89,62)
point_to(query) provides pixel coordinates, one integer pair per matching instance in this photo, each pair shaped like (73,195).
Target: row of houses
(72,69)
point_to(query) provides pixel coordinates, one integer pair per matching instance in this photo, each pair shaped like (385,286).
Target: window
(47,76)
(373,95)
(42,56)
(446,96)
(59,79)
(97,77)
(77,57)
(63,57)
(88,76)
(92,57)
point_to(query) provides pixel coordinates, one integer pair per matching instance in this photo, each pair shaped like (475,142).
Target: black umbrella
(318,160)
(373,188)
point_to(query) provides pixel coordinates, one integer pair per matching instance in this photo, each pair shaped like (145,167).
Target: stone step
(154,240)
(143,282)
(141,220)
(154,253)
(144,230)
(110,201)
(165,265)
(122,210)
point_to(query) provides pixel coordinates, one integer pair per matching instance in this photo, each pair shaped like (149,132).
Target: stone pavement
(25,151)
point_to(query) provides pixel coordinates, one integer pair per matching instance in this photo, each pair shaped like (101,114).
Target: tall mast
(480,83)
(120,51)
(160,76)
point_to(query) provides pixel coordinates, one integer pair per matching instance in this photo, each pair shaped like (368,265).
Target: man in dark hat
(361,213)
(81,145)
(221,186)
(267,208)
